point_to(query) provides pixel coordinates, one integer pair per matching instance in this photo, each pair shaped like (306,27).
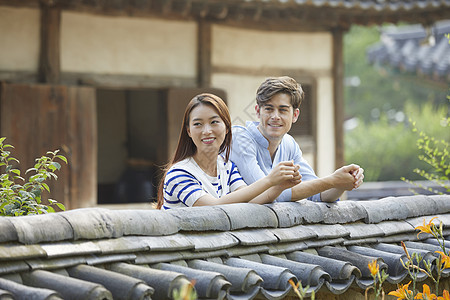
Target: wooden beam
(338,89)
(49,59)
(204,45)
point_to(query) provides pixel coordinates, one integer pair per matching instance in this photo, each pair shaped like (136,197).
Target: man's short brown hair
(275,85)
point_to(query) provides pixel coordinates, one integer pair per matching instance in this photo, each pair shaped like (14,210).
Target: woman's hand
(286,174)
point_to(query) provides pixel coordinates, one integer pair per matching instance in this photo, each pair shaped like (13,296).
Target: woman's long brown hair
(186,147)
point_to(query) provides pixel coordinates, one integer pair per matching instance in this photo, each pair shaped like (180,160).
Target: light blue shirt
(250,153)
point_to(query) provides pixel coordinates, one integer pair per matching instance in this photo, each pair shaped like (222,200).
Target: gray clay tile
(42,228)
(244,250)
(295,233)
(69,288)
(147,222)
(308,274)
(244,281)
(296,213)
(10,252)
(94,223)
(338,270)
(326,231)
(445,218)
(21,291)
(7,267)
(359,230)
(384,210)
(212,240)
(395,227)
(360,241)
(419,221)
(442,203)
(359,260)
(5,295)
(204,254)
(157,257)
(165,281)
(251,237)
(396,238)
(419,205)
(325,242)
(282,248)
(395,267)
(111,258)
(55,263)
(274,277)
(121,245)
(249,215)
(8,232)
(121,286)
(342,212)
(70,248)
(338,287)
(210,285)
(203,218)
(173,242)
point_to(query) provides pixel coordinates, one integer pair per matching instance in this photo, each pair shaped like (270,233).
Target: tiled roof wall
(409,49)
(238,251)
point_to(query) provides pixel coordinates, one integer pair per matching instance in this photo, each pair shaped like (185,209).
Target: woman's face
(206,129)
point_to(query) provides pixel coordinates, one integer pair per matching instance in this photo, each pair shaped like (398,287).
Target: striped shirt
(186,182)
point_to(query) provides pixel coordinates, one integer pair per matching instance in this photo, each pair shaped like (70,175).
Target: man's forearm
(309,188)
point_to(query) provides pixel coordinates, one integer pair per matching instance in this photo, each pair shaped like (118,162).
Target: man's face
(276,117)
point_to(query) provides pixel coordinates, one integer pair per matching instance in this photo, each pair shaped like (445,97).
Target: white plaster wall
(19,36)
(121,45)
(258,49)
(325,127)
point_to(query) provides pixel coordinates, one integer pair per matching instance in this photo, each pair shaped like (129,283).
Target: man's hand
(285,173)
(348,177)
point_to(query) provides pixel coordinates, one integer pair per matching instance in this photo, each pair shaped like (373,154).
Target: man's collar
(257,135)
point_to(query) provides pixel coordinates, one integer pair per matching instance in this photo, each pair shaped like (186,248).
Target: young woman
(200,172)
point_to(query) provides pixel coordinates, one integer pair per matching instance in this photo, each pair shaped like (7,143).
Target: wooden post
(338,76)
(49,59)
(204,54)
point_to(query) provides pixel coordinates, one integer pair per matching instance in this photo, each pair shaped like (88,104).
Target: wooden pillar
(204,54)
(338,96)
(49,59)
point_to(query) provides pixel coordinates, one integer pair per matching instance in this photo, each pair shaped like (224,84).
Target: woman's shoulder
(185,166)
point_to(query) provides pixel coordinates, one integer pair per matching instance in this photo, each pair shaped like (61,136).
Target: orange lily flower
(402,292)
(426,292)
(426,228)
(445,259)
(445,296)
(373,267)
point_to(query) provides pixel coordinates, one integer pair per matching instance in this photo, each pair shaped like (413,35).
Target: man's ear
(257,109)
(296,115)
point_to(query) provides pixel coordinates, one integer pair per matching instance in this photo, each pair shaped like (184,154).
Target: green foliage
(18,199)
(386,149)
(435,153)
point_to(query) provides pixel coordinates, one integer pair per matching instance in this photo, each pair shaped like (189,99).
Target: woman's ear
(188,131)
(296,115)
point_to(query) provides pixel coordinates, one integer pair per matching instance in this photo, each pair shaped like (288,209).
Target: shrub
(26,199)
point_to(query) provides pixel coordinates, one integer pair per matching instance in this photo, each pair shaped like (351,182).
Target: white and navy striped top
(186,182)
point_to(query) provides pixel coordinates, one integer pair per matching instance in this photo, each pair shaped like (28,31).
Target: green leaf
(62,157)
(56,165)
(15,171)
(50,209)
(61,206)
(46,187)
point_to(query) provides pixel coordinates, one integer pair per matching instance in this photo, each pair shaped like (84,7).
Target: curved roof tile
(252,252)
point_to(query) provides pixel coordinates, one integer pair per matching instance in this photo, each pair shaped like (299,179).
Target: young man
(261,145)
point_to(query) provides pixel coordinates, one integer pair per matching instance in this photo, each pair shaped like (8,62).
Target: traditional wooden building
(107,81)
